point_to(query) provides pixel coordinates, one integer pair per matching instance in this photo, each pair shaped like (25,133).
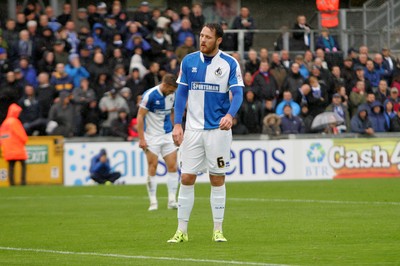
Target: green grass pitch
(340,222)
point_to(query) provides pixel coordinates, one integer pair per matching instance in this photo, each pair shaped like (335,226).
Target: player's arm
(237,99)
(140,127)
(181,97)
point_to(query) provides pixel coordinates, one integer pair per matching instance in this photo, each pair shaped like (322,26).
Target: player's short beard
(210,50)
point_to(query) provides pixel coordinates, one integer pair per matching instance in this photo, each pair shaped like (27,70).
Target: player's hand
(177,134)
(226,122)
(143,144)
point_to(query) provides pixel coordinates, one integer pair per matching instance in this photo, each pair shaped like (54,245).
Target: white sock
(185,206)
(152,189)
(172,185)
(217,200)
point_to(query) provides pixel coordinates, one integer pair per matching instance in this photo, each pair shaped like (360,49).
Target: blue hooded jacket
(378,120)
(97,167)
(357,124)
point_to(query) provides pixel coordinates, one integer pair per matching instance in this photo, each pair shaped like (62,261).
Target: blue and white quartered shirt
(158,119)
(208,83)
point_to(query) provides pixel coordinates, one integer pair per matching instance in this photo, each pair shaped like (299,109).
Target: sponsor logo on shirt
(218,72)
(162,112)
(202,86)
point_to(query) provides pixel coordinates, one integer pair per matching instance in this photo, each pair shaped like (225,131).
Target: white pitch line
(346,202)
(138,257)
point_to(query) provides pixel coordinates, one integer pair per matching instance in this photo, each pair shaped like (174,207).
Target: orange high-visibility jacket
(13,136)
(329,10)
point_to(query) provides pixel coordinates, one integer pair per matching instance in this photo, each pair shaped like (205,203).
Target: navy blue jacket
(97,167)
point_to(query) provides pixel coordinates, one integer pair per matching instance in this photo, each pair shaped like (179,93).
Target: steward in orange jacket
(12,140)
(329,10)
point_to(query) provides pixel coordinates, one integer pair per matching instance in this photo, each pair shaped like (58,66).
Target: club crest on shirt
(218,72)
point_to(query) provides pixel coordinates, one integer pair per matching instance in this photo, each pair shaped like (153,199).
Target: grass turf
(340,222)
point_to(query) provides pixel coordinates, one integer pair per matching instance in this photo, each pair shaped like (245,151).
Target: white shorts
(206,150)
(163,144)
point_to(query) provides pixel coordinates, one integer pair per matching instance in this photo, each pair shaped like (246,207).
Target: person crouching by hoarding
(12,140)
(100,169)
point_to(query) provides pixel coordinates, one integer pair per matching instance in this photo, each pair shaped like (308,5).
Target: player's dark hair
(219,32)
(170,79)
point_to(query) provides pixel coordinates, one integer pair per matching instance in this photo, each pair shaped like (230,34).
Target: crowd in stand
(86,77)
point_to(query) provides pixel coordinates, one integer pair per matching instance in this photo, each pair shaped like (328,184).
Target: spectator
(61,80)
(337,79)
(253,63)
(389,62)
(264,84)
(251,113)
(372,75)
(184,32)
(110,28)
(320,93)
(101,171)
(360,122)
(285,59)
(313,99)
(271,125)
(5,64)
(13,139)
(91,115)
(326,42)
(62,113)
(306,117)
(304,72)
(395,122)
(229,42)
(348,74)
(66,14)
(186,48)
(61,56)
(110,103)
(293,80)
(389,113)
(143,15)
(337,107)
(120,125)
(278,70)
(25,45)
(302,33)
(152,78)
(246,22)
(12,88)
(30,115)
(119,77)
(158,45)
(394,98)
(357,97)
(47,63)
(291,124)
(28,71)
(382,68)
(382,92)
(82,96)
(127,95)
(97,67)
(99,37)
(75,70)
(45,94)
(196,18)
(82,18)
(135,83)
(360,76)
(288,99)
